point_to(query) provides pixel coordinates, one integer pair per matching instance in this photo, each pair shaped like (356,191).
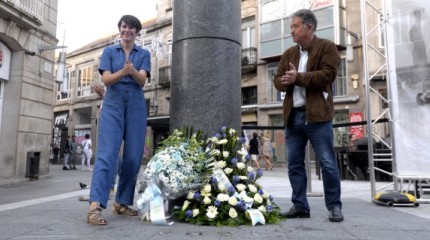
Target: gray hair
(307,16)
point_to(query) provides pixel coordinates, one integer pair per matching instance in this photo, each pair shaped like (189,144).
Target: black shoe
(335,215)
(295,212)
(65,168)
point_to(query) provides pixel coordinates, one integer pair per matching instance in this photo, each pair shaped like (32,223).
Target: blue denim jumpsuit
(123,118)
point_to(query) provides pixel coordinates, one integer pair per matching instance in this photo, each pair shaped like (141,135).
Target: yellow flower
(207,188)
(186,204)
(241,165)
(206,200)
(262,208)
(228,171)
(196,212)
(252,188)
(190,195)
(258,198)
(232,213)
(240,187)
(232,201)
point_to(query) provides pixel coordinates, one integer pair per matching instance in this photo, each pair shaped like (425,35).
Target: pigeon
(83,185)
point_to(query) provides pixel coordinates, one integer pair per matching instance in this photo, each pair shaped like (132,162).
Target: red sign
(357,130)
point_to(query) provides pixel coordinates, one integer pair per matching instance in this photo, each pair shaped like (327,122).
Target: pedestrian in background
(124,68)
(266,150)
(73,154)
(306,73)
(253,149)
(67,150)
(87,153)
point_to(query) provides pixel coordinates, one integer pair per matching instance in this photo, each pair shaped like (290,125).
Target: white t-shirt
(299,94)
(86,144)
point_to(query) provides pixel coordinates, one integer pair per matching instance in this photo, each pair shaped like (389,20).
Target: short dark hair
(131,21)
(87,135)
(307,16)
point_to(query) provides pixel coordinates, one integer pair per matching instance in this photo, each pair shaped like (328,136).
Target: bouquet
(232,196)
(183,163)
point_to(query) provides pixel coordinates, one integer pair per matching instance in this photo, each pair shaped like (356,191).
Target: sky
(81,22)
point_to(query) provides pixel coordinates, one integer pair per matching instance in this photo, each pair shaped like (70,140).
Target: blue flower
(197,195)
(231,190)
(260,192)
(233,161)
(214,180)
(270,197)
(189,213)
(248,157)
(236,179)
(241,205)
(251,176)
(223,129)
(217,203)
(269,208)
(259,172)
(217,135)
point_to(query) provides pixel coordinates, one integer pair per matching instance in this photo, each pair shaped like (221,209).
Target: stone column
(206,69)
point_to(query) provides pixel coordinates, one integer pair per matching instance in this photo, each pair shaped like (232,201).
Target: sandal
(94,217)
(123,210)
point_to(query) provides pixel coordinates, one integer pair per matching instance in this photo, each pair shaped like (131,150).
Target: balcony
(164,76)
(249,60)
(26,13)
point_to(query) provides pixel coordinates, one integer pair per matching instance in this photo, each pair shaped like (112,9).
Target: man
(67,151)
(73,154)
(306,73)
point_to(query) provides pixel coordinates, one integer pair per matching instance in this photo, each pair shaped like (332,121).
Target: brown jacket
(321,71)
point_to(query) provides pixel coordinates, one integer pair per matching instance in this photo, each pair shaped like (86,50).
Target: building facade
(27,64)
(265,36)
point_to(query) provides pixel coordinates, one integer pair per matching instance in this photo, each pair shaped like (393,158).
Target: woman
(266,150)
(124,68)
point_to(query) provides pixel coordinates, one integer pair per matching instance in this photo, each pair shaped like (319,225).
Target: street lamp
(61,65)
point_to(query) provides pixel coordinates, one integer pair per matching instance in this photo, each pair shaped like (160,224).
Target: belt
(300,109)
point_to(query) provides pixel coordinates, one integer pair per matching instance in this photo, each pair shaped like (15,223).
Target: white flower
(241,165)
(262,208)
(258,198)
(241,152)
(225,154)
(207,188)
(228,171)
(223,141)
(206,200)
(221,164)
(252,188)
(240,187)
(206,194)
(186,204)
(196,212)
(190,195)
(214,140)
(221,187)
(217,152)
(232,213)
(222,197)
(266,195)
(232,201)
(211,212)
(250,169)
(232,131)
(243,177)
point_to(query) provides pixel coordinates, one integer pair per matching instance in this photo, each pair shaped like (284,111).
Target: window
(271,30)
(340,85)
(63,89)
(249,95)
(248,37)
(273,94)
(85,79)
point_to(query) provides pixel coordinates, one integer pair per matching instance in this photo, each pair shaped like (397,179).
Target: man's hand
(289,77)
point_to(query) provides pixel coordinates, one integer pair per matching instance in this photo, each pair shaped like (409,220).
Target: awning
(249,117)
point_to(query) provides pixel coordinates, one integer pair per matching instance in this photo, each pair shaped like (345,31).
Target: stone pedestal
(206,68)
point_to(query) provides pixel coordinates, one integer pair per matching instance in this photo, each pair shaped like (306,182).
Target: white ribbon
(256,217)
